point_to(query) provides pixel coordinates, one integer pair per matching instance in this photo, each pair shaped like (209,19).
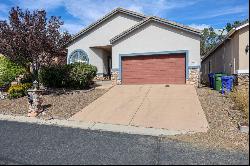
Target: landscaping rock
(60,106)
(223,123)
(3,95)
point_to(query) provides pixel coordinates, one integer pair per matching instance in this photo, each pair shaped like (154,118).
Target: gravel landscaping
(222,118)
(219,110)
(57,104)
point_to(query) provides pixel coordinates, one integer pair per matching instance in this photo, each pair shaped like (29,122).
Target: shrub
(81,75)
(54,76)
(241,100)
(9,70)
(19,90)
(77,75)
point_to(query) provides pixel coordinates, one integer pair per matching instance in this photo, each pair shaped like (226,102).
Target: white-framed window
(78,56)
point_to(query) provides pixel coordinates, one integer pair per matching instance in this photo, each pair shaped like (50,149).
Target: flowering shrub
(19,90)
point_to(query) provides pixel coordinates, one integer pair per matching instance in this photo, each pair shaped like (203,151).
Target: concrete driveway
(152,106)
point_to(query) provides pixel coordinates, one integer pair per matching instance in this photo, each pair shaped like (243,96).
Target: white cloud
(3,18)
(219,31)
(86,10)
(199,26)
(203,26)
(4,8)
(39,4)
(89,11)
(159,7)
(222,12)
(72,28)
(135,8)
(4,11)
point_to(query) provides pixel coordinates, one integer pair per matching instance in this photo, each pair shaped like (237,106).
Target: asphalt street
(31,144)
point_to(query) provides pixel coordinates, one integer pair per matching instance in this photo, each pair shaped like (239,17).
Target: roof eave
(230,33)
(123,34)
(132,13)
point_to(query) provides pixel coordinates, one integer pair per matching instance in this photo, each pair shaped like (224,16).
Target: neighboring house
(136,49)
(230,56)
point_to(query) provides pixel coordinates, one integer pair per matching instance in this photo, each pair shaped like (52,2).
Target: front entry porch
(105,53)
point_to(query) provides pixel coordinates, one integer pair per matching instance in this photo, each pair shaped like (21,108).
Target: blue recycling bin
(227,84)
(211,80)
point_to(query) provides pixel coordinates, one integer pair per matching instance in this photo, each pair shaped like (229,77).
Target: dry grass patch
(223,119)
(241,101)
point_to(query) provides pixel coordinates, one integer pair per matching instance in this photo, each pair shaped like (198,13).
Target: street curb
(96,126)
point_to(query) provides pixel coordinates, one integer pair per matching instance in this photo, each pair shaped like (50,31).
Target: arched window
(78,56)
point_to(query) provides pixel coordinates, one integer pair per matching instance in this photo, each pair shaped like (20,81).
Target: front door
(109,65)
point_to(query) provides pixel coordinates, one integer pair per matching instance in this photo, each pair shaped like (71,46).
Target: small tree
(230,26)
(209,39)
(28,38)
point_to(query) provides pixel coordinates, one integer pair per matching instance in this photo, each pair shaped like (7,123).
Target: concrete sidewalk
(174,108)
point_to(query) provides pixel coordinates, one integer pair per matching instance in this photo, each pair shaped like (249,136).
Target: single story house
(230,56)
(135,49)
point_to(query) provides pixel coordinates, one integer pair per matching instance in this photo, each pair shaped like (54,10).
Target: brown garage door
(154,69)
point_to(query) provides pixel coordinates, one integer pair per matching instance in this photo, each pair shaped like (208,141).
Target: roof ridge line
(157,19)
(130,29)
(106,16)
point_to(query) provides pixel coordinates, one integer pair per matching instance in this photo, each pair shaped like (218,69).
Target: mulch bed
(222,118)
(58,104)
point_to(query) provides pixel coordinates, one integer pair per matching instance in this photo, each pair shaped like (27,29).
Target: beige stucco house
(137,49)
(230,56)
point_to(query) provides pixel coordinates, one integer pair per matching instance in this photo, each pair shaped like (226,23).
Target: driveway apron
(176,107)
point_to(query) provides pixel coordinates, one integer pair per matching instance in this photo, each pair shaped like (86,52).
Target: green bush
(18,90)
(77,76)
(54,76)
(81,75)
(9,70)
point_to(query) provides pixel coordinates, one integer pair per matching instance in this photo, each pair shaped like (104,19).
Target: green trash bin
(218,83)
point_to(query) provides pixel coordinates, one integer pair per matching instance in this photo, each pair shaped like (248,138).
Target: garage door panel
(151,66)
(155,69)
(130,62)
(156,81)
(145,68)
(151,75)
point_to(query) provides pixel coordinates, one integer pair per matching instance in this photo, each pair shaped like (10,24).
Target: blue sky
(77,14)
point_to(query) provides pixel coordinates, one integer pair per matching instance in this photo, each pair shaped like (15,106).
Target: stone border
(96,126)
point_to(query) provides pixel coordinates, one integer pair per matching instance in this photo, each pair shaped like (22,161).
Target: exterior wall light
(247,49)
